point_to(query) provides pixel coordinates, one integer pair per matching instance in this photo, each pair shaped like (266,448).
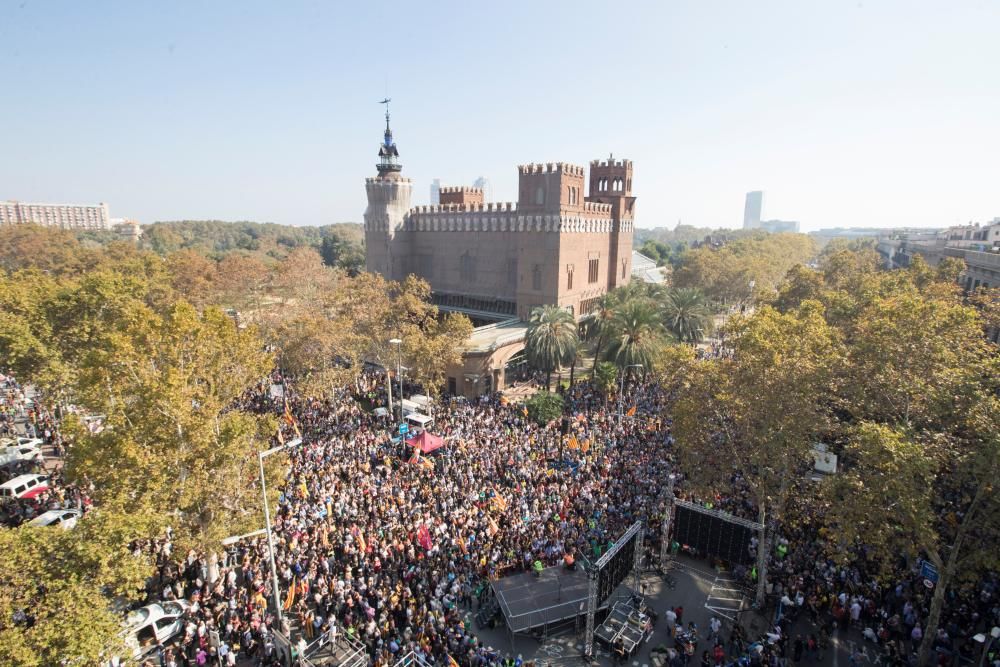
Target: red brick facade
(557,245)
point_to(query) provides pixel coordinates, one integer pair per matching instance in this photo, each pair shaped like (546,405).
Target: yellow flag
(525,411)
(573,443)
(631,411)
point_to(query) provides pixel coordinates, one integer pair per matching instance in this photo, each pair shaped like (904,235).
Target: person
(714,626)
(670,616)
(619,650)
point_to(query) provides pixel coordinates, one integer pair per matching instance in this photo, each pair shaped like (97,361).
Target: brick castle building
(561,243)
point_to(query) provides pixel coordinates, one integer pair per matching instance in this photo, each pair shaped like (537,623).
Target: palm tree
(638,335)
(551,339)
(597,324)
(686,314)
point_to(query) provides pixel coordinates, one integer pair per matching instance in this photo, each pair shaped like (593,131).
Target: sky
(872,113)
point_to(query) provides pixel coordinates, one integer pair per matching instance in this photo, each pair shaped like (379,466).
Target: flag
(573,442)
(281,438)
(290,420)
(451,661)
(424,537)
(585,447)
(525,410)
(499,503)
(492,528)
(426,464)
(631,412)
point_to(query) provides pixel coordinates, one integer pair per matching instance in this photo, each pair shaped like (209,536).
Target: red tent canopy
(425,442)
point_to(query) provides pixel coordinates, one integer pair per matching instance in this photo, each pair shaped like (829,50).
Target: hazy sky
(844,113)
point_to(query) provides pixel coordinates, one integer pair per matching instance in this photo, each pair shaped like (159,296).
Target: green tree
(173,444)
(551,339)
(760,411)
(605,378)
(597,325)
(638,336)
(544,407)
(686,314)
(56,587)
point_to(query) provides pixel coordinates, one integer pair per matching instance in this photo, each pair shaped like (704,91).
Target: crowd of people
(22,417)
(395,550)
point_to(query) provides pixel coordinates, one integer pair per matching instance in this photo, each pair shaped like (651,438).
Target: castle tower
(611,183)
(388,202)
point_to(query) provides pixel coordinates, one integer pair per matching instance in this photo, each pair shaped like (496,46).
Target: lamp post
(621,389)
(399,373)
(267,522)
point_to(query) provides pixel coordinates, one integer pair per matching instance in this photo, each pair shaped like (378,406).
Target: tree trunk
(597,350)
(572,372)
(548,379)
(945,577)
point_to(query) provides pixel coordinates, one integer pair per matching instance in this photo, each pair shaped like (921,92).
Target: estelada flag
(631,412)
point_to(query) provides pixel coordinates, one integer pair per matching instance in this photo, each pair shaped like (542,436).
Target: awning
(426,442)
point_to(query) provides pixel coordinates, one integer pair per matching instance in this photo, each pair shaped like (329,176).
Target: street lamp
(267,521)
(621,388)
(399,373)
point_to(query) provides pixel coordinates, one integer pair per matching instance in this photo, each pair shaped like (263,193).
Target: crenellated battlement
(550,168)
(487,207)
(606,164)
(460,189)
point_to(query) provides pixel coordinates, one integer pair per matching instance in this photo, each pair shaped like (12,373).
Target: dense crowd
(395,550)
(21,416)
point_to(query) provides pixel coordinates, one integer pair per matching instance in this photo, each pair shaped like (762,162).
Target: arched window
(540,195)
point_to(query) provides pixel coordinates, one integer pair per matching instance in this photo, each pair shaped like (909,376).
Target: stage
(528,602)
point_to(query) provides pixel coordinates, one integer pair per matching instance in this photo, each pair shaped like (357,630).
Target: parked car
(152,624)
(24,486)
(18,453)
(65,519)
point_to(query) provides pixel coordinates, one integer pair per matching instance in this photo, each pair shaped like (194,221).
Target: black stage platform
(529,602)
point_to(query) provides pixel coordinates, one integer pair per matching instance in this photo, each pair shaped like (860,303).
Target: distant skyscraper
(752,210)
(436,191)
(484,184)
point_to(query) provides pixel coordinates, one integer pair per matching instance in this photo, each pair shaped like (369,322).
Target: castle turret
(611,183)
(388,202)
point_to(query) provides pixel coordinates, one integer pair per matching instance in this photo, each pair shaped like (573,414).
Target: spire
(387,153)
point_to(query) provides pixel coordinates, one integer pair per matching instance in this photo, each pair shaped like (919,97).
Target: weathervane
(386,103)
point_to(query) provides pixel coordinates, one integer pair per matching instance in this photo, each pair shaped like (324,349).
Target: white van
(24,486)
(153,624)
(417,420)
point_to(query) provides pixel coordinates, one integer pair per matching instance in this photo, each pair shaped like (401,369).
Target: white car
(18,453)
(65,519)
(152,624)
(30,442)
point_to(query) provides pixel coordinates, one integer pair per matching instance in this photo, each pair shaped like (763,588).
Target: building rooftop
(490,337)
